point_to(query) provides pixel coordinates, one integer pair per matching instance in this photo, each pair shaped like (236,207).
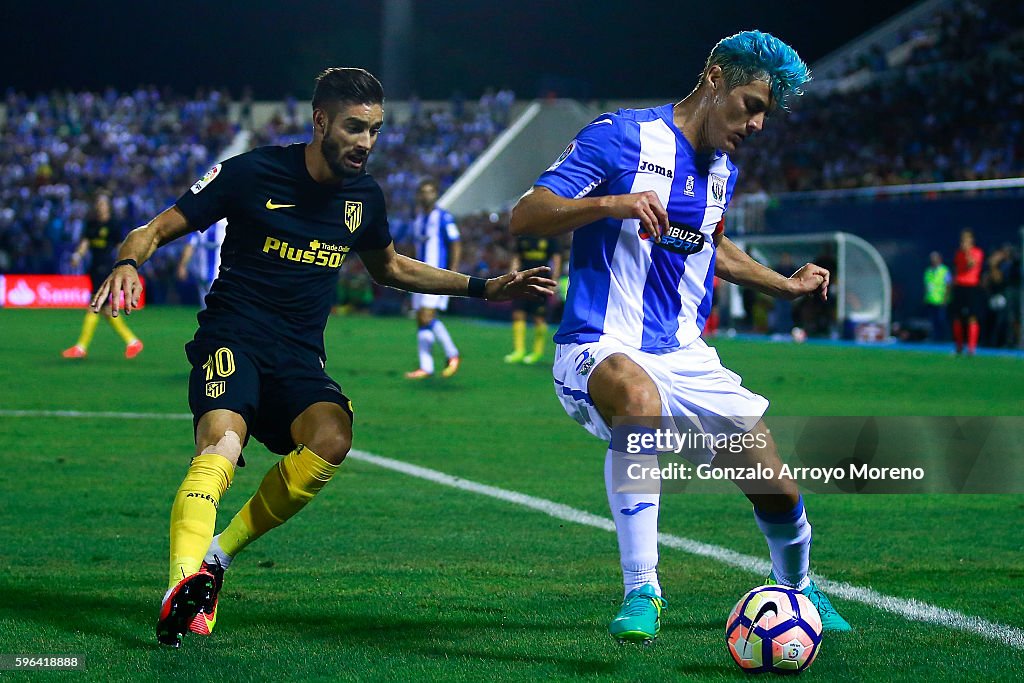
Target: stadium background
(141,100)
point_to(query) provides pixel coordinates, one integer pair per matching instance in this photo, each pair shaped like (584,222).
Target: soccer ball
(774,628)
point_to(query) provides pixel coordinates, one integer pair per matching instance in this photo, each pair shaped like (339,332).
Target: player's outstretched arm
(138,246)
(542,213)
(186,256)
(732,264)
(391,269)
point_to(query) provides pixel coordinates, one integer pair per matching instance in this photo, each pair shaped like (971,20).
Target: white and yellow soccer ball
(774,629)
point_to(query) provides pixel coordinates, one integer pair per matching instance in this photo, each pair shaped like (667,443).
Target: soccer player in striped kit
(644,192)
(437,244)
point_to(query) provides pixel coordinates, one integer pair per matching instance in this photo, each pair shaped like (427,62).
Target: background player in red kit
(967,293)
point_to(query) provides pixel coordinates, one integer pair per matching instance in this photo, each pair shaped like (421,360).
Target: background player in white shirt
(436,238)
(645,192)
(201,258)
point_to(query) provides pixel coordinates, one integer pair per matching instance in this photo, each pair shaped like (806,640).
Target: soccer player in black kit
(258,362)
(99,237)
(530,253)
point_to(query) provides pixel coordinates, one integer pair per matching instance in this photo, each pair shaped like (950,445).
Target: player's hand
(810,279)
(645,207)
(527,284)
(123,280)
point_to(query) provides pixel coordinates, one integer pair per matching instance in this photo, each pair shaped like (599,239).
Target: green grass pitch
(390,577)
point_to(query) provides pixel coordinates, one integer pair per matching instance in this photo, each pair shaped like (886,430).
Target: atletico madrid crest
(353,215)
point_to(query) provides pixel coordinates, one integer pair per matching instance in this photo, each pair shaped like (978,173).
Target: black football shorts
(967,302)
(532,307)
(269,387)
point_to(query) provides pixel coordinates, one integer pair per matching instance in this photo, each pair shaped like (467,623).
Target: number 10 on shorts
(221,363)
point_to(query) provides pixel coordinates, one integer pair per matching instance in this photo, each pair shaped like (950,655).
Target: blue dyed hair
(756,56)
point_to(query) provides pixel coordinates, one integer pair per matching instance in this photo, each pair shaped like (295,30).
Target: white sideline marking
(94,415)
(914,610)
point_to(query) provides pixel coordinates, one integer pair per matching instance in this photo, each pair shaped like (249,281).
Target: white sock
(450,350)
(425,337)
(636,524)
(789,543)
(216,554)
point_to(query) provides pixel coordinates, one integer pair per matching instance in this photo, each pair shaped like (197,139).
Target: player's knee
(620,388)
(639,400)
(331,444)
(228,446)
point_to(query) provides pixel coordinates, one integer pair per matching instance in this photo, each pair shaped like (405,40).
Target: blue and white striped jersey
(433,234)
(205,262)
(622,285)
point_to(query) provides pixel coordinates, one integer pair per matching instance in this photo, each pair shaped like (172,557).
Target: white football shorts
(692,383)
(439,302)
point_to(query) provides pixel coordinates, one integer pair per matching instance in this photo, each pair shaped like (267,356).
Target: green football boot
(831,620)
(515,357)
(639,618)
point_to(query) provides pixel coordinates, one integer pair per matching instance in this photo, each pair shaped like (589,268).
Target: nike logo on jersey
(639,507)
(271,205)
(608,121)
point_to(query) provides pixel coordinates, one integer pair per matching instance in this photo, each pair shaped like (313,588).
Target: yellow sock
(540,337)
(194,513)
(519,336)
(88,330)
(122,330)
(286,488)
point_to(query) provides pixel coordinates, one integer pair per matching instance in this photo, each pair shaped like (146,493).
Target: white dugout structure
(861,283)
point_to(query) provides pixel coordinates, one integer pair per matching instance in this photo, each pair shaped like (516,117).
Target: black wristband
(126,262)
(477,287)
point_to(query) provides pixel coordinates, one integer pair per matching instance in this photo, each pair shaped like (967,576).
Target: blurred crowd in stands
(953,109)
(946,104)
(437,140)
(58,149)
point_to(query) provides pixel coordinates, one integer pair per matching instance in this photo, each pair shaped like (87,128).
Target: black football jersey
(535,251)
(102,237)
(286,238)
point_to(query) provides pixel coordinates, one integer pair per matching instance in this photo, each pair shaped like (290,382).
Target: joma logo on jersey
(353,215)
(648,167)
(318,254)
